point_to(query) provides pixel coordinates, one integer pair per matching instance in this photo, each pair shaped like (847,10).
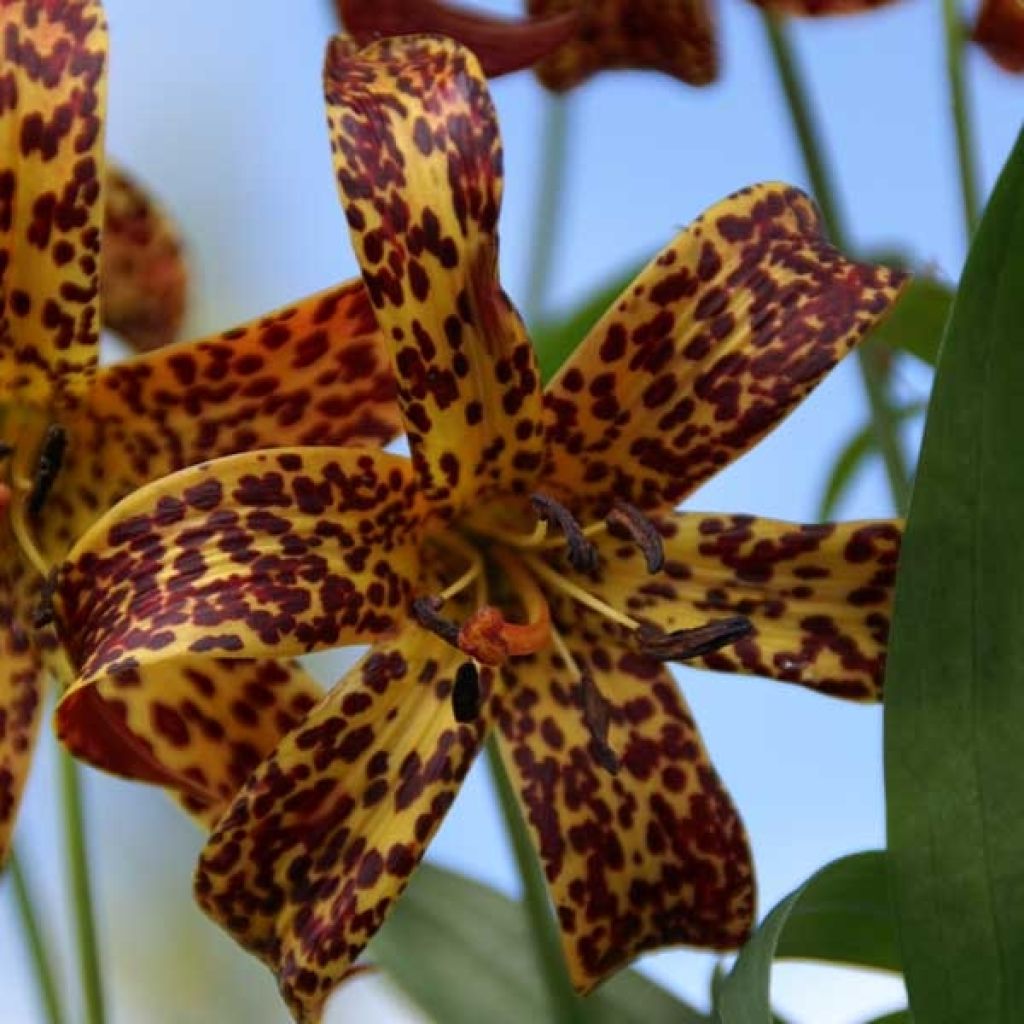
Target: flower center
(515,566)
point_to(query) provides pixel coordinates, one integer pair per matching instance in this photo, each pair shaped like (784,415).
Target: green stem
(81,890)
(565,1004)
(872,360)
(37,948)
(965,150)
(555,148)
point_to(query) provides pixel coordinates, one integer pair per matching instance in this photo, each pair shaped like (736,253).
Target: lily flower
(74,438)
(525,570)
(571,40)
(999,30)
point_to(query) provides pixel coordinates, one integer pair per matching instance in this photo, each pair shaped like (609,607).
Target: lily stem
(32,929)
(81,890)
(872,359)
(566,1006)
(954,33)
(555,148)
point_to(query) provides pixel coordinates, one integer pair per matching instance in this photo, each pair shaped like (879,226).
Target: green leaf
(852,458)
(461,951)
(918,319)
(954,709)
(556,339)
(840,914)
(899,1017)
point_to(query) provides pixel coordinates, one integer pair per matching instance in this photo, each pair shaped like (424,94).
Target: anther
(425,612)
(597,718)
(44,614)
(683,644)
(51,455)
(6,449)
(642,530)
(581,552)
(466,693)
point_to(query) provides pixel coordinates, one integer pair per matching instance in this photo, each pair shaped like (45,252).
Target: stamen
(425,612)
(582,554)
(6,449)
(683,644)
(44,614)
(51,455)
(23,535)
(596,708)
(470,554)
(643,532)
(557,580)
(515,539)
(466,693)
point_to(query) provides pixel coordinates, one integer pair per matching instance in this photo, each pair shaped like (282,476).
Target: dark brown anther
(684,644)
(642,530)
(425,612)
(597,717)
(51,455)
(43,615)
(6,449)
(466,693)
(581,553)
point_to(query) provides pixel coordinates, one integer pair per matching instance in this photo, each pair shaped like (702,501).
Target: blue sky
(218,106)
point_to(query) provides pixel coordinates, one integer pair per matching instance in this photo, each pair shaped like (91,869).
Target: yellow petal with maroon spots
(653,855)
(198,726)
(21,686)
(1000,31)
(272,553)
(419,164)
(819,8)
(305,865)
(819,597)
(500,45)
(716,341)
(52,104)
(144,282)
(313,373)
(673,36)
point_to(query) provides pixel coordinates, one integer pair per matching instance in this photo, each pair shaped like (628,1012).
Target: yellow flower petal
(272,553)
(673,36)
(306,863)
(418,161)
(653,855)
(716,341)
(144,279)
(313,373)
(21,686)
(197,726)
(819,597)
(52,105)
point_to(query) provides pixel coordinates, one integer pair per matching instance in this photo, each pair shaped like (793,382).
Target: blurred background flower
(223,117)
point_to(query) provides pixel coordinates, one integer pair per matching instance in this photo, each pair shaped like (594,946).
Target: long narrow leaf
(461,951)
(841,914)
(955,690)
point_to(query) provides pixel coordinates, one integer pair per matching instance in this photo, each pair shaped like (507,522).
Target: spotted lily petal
(314,373)
(52,101)
(673,36)
(306,863)
(716,341)
(21,687)
(272,553)
(419,165)
(500,45)
(198,727)
(1000,30)
(144,280)
(654,855)
(819,597)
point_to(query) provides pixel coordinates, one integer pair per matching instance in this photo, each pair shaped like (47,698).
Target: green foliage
(955,689)
(918,319)
(462,952)
(840,914)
